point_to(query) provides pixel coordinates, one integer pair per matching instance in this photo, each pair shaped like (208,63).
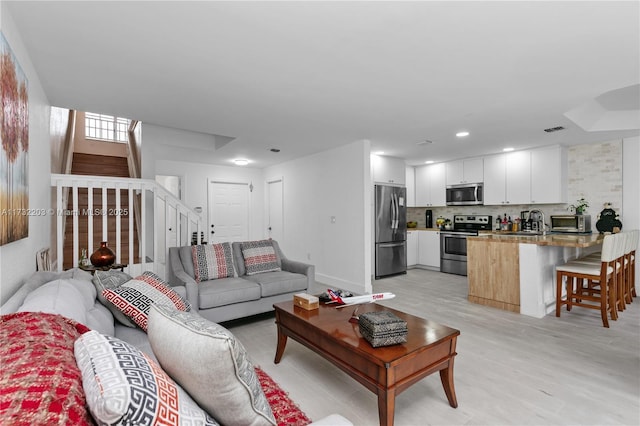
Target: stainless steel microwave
(468,194)
(571,223)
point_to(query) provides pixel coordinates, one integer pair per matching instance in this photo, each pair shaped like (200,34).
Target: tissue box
(383,328)
(306,301)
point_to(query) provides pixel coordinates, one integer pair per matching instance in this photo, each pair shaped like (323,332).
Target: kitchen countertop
(423,229)
(558,240)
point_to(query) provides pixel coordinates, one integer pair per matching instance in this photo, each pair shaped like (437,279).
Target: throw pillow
(61,297)
(134,298)
(259,256)
(219,375)
(103,280)
(211,262)
(40,382)
(125,386)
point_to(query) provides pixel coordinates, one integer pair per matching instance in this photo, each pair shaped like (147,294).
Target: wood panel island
(517,272)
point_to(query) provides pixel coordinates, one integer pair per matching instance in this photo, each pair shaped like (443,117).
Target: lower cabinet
(412,248)
(429,249)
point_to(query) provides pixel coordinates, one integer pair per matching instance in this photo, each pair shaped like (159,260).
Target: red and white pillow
(259,256)
(125,386)
(214,261)
(134,298)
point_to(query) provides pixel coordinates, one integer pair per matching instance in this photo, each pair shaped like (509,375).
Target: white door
(275,220)
(171,184)
(228,212)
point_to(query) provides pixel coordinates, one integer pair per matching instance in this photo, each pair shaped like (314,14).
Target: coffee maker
(429,219)
(525,220)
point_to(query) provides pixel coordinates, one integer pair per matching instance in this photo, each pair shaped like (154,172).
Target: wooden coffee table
(386,371)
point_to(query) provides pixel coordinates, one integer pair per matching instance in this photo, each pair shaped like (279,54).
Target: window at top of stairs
(106,127)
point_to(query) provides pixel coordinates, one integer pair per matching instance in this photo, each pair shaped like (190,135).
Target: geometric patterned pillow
(103,280)
(259,256)
(135,297)
(124,386)
(211,262)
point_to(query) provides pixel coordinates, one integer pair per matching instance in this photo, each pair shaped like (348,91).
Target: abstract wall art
(14,156)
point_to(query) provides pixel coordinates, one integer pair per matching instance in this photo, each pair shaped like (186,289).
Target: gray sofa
(76,298)
(237,297)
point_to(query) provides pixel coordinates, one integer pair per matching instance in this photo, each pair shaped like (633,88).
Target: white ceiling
(304,77)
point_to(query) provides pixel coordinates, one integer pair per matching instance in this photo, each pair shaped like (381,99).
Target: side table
(92,269)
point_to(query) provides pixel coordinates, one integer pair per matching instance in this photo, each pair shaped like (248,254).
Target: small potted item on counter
(448,225)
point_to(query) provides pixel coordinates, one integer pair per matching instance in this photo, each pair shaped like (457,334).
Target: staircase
(153,202)
(99,165)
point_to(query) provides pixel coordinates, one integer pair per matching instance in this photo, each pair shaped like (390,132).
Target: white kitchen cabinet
(388,170)
(429,249)
(430,185)
(412,248)
(548,175)
(470,170)
(507,178)
(410,184)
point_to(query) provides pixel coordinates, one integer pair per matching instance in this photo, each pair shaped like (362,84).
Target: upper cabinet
(459,172)
(388,170)
(430,186)
(549,175)
(410,184)
(538,176)
(507,178)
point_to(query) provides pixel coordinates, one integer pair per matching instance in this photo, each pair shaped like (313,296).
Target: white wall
(174,152)
(630,217)
(329,184)
(18,259)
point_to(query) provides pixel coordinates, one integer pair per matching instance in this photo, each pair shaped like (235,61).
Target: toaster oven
(571,223)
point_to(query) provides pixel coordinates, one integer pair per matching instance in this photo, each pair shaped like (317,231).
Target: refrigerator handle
(393,210)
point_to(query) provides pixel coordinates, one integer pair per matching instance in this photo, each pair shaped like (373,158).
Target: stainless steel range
(453,243)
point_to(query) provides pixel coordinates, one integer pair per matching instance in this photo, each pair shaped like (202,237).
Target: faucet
(539,224)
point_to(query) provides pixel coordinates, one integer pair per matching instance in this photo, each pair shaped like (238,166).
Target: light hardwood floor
(510,369)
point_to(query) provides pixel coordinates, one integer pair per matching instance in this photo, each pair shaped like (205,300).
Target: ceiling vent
(554,129)
(424,142)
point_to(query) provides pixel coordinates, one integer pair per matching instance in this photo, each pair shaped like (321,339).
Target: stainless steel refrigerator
(391,230)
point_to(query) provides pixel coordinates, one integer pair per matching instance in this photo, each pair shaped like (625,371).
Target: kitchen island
(517,272)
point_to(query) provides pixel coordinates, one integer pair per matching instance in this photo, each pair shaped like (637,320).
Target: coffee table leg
(446,377)
(386,407)
(282,342)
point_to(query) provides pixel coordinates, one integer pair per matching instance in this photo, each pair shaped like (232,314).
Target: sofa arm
(178,277)
(300,268)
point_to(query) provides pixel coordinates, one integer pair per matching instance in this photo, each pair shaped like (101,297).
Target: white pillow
(58,297)
(210,364)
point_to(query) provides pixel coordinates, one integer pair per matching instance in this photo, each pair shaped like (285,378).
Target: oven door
(453,246)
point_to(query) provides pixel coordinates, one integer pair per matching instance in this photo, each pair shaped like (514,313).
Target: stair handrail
(61,181)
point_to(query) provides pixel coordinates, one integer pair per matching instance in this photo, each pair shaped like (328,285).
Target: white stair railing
(155,229)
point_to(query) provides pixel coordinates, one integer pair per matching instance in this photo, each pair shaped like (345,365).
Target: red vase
(103,256)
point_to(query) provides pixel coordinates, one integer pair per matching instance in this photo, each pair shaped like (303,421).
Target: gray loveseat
(231,298)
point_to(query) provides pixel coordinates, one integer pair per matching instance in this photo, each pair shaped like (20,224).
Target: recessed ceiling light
(508,149)
(241,162)
(462,134)
(429,162)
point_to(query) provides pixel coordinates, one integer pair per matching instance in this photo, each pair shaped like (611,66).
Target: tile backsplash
(594,172)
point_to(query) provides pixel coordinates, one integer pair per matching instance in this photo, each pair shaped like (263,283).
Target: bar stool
(620,270)
(630,265)
(605,274)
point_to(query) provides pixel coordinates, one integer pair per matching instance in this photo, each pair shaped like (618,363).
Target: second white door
(228,212)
